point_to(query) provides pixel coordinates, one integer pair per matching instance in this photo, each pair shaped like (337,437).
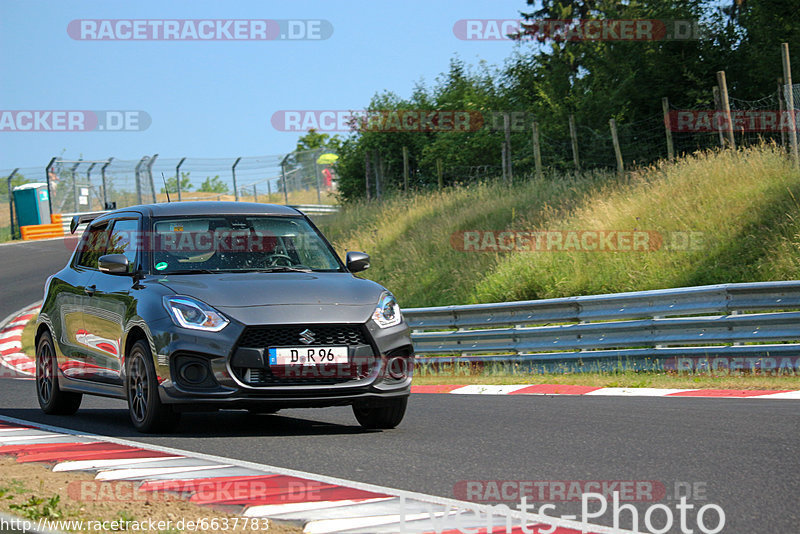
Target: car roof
(211,207)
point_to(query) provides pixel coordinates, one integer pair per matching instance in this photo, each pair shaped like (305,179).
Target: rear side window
(93,246)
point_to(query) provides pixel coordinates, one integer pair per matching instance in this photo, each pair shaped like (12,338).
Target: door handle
(90,290)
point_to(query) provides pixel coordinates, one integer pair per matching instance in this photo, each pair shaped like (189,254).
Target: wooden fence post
(726,106)
(668,128)
(790,107)
(617,152)
(507,133)
(405,169)
(717,109)
(366,172)
(573,133)
(537,150)
(440,178)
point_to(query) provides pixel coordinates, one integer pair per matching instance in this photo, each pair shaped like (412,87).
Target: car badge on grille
(307,336)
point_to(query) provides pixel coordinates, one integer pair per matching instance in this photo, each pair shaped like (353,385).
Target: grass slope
(742,207)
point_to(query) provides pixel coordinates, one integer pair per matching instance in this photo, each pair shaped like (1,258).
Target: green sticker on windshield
(160,266)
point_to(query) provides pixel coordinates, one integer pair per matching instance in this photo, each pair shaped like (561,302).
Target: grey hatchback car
(201,306)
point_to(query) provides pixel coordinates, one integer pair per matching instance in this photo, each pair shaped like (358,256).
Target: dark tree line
(593,80)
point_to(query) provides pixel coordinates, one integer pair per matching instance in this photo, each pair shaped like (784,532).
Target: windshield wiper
(281,269)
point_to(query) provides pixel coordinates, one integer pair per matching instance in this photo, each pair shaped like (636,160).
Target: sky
(216,98)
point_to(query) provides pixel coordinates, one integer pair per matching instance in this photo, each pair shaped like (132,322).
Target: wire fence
(302,177)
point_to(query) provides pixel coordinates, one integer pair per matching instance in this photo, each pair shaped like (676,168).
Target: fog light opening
(398,368)
(194,373)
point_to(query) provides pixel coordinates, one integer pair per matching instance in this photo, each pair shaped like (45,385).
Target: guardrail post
(105,186)
(233,174)
(178,177)
(47,175)
(11,202)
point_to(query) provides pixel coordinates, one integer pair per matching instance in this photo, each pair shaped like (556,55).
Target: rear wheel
(51,399)
(148,413)
(387,414)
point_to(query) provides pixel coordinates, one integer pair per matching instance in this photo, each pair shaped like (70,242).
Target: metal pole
(316,174)
(726,106)
(255,193)
(138,181)
(49,192)
(11,202)
(150,175)
(89,180)
(283,178)
(75,184)
(668,128)
(790,107)
(105,188)
(178,177)
(233,173)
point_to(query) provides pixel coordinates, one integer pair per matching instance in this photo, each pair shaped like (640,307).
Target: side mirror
(113,264)
(357,262)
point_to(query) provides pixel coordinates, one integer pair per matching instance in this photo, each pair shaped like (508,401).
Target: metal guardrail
(748,326)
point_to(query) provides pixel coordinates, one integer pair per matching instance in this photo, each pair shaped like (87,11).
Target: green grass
(745,206)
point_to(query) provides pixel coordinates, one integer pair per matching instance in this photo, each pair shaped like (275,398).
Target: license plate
(307,355)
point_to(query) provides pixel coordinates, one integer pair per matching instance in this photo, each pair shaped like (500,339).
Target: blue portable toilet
(32,204)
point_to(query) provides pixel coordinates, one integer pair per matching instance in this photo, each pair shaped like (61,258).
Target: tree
(172,183)
(213,185)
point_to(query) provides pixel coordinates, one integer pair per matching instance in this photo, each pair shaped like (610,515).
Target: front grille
(263,337)
(260,337)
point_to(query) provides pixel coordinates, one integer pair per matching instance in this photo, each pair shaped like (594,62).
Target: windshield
(229,243)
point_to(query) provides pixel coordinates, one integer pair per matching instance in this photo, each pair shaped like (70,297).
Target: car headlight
(388,311)
(192,313)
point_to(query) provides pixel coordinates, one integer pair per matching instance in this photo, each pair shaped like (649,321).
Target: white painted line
(488,390)
(11,334)
(10,345)
(15,439)
(794,395)
(85,465)
(268,510)
(327,526)
(143,472)
(635,392)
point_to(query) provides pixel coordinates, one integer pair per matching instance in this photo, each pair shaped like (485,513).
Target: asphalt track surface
(743,453)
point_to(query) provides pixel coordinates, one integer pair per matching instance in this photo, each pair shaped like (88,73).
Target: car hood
(255,298)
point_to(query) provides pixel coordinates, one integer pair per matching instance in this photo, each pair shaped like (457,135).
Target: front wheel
(386,415)
(52,400)
(148,413)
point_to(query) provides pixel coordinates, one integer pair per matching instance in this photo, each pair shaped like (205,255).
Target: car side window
(124,240)
(94,246)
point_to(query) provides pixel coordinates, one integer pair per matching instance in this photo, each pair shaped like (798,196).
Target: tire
(52,400)
(148,414)
(386,415)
